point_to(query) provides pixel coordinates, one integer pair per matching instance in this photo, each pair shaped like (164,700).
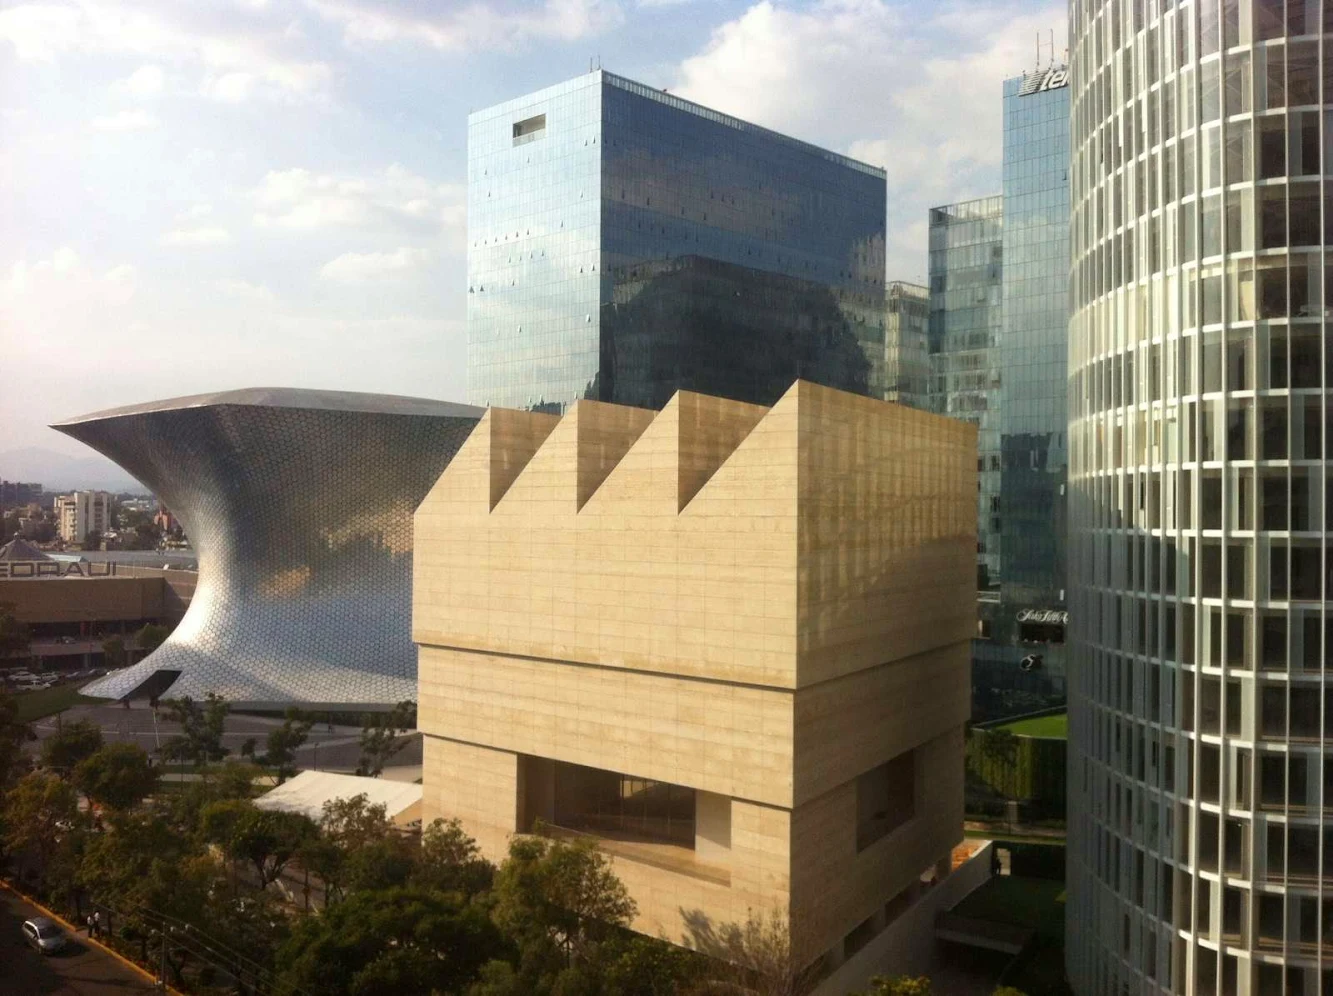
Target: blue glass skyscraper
(624,243)
(1034,360)
(999,269)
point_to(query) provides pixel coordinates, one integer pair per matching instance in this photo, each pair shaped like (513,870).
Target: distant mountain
(62,472)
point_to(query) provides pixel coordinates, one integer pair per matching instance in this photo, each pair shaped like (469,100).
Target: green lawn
(48,701)
(1056,726)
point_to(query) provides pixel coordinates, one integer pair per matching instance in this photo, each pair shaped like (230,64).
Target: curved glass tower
(1200,857)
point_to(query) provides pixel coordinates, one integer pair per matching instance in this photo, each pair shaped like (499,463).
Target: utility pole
(162,975)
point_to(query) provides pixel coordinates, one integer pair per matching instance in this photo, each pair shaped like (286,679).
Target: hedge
(1031,771)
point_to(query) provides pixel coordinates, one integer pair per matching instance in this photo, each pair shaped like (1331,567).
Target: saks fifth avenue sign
(1048,617)
(1043,80)
(55,569)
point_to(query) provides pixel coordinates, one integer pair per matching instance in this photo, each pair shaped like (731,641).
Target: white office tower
(1200,858)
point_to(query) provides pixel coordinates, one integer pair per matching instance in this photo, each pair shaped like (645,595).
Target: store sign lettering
(55,569)
(1048,617)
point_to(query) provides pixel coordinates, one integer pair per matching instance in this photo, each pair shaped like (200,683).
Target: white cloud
(203,235)
(120,282)
(230,88)
(245,291)
(239,86)
(146,81)
(64,277)
(465,27)
(36,30)
(915,89)
(194,212)
(135,120)
(394,199)
(356,267)
(251,43)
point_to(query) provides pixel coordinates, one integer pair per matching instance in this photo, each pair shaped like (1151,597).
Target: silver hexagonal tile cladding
(299,505)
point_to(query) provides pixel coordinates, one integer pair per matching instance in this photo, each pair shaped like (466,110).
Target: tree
(900,985)
(219,819)
(449,861)
(118,776)
(646,966)
(759,956)
(118,861)
(202,729)
(92,539)
(14,635)
(14,760)
(63,750)
(144,868)
(230,782)
(381,735)
(283,742)
(40,813)
(347,827)
(268,840)
(390,943)
(353,823)
(563,892)
(254,923)
(151,637)
(114,652)
(383,864)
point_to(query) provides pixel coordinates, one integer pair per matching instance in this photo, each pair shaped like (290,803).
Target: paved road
(79,970)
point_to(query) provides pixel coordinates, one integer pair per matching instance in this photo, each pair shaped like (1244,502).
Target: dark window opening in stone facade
(606,803)
(885,799)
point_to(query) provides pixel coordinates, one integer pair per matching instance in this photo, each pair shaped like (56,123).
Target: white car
(44,935)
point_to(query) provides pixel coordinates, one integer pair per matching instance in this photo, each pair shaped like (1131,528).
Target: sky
(200,196)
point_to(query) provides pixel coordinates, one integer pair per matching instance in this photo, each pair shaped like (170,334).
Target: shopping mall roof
(20,549)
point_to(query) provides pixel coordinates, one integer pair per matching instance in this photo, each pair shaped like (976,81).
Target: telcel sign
(1043,80)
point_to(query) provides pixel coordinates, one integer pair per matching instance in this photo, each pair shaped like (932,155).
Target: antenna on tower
(1038,65)
(1052,30)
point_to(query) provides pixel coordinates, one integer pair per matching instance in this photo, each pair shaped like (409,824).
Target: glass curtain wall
(625,243)
(1201,855)
(1034,347)
(963,343)
(906,358)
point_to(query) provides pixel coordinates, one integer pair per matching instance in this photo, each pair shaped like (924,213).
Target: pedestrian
(97,922)
(92,926)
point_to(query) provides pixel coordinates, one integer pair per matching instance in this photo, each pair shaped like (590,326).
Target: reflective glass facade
(1034,346)
(963,342)
(1201,844)
(625,243)
(1029,616)
(906,356)
(998,354)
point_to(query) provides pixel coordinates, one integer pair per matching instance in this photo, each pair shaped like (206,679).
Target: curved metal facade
(299,504)
(1201,848)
